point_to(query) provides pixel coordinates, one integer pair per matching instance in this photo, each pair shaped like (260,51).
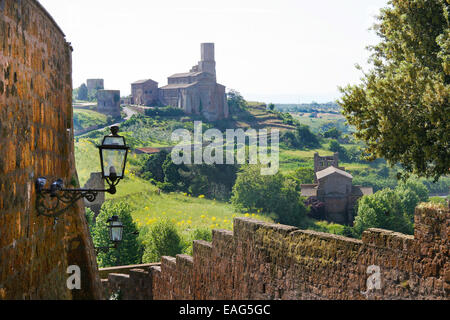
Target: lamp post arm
(66,196)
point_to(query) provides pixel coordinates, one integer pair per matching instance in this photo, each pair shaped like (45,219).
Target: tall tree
(130,250)
(82,93)
(401,109)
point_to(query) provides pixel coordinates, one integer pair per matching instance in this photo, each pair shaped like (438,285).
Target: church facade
(196,91)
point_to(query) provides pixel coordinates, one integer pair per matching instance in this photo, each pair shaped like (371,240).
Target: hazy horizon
(282,52)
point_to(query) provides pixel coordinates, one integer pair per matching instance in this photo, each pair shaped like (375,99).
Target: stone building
(196,92)
(334,188)
(94,85)
(145,92)
(108,102)
(321,163)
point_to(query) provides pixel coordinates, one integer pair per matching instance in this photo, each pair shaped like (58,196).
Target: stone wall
(95,182)
(265,261)
(93,85)
(108,102)
(36,140)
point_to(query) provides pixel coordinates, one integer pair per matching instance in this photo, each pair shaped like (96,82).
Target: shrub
(129,251)
(204,234)
(168,111)
(162,240)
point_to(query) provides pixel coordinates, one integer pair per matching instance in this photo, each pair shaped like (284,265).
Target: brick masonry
(265,261)
(36,139)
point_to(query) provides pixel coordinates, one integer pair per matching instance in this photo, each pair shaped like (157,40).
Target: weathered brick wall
(36,139)
(265,261)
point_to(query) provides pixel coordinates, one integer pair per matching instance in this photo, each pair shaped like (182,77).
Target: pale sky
(281,51)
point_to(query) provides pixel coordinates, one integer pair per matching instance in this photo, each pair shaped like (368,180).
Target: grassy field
(85,118)
(185,211)
(322,119)
(149,206)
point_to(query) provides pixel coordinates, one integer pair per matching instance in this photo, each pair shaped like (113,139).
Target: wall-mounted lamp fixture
(115,233)
(113,158)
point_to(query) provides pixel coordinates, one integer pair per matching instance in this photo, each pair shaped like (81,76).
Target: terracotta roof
(179,85)
(332,170)
(149,150)
(186,74)
(144,81)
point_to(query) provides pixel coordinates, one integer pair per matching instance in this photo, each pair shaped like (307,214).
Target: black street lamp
(113,157)
(115,233)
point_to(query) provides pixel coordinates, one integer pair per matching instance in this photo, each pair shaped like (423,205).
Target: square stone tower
(208,62)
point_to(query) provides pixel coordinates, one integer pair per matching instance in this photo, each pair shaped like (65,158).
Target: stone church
(196,92)
(334,189)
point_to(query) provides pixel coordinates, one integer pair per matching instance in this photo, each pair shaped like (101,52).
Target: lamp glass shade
(116,230)
(113,162)
(113,156)
(114,141)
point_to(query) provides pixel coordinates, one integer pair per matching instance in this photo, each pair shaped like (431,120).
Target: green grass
(148,206)
(291,159)
(327,227)
(84,118)
(87,159)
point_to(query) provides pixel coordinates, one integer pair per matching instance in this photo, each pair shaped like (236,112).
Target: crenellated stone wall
(36,140)
(265,261)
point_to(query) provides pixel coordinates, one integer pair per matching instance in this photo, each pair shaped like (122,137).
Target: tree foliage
(391,209)
(130,250)
(270,194)
(82,93)
(302,137)
(162,240)
(333,133)
(236,102)
(401,109)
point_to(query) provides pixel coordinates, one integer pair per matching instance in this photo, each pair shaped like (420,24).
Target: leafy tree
(306,138)
(162,240)
(302,137)
(271,106)
(90,218)
(214,181)
(303,175)
(236,102)
(290,139)
(415,186)
(336,147)
(82,93)
(272,194)
(129,251)
(382,209)
(391,209)
(168,111)
(333,133)
(153,166)
(401,109)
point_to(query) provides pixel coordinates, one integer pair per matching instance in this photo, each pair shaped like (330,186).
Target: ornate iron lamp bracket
(55,201)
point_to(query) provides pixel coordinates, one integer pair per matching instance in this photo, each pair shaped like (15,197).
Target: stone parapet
(265,261)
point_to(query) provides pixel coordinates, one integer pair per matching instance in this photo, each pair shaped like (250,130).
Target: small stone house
(335,189)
